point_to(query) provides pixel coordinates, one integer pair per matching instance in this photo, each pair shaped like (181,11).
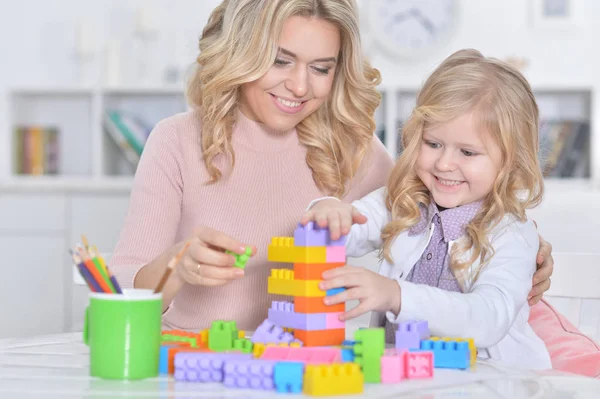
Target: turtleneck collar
(259,137)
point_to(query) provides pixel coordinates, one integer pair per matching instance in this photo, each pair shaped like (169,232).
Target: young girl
(458,249)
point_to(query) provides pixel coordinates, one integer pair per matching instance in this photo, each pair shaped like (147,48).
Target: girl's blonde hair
(503,102)
(240,43)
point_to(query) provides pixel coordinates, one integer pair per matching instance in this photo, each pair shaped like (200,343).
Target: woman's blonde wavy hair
(239,44)
(503,102)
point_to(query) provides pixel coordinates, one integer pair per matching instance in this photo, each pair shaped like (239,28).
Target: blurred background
(83,83)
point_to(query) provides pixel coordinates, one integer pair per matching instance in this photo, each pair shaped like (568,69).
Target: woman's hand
(373,291)
(541,278)
(206,263)
(334,214)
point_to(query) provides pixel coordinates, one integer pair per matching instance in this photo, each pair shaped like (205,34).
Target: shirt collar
(453,220)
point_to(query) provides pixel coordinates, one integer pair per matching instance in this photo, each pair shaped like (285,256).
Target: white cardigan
(493,310)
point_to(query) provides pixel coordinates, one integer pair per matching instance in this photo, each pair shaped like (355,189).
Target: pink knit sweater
(264,196)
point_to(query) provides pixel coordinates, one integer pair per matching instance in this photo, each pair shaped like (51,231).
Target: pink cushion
(570,350)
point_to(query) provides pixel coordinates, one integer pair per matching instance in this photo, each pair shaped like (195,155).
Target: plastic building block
(321,337)
(448,354)
(313,271)
(421,327)
(347,355)
(282,314)
(392,367)
(253,374)
(173,351)
(368,349)
(176,343)
(259,348)
(419,364)
(243,345)
(332,321)
(288,377)
(282,282)
(312,235)
(163,359)
(324,355)
(334,291)
(281,250)
(195,340)
(472,348)
(319,255)
(267,332)
(335,379)
(221,335)
(203,367)
(348,343)
(240,260)
(304,304)
(407,338)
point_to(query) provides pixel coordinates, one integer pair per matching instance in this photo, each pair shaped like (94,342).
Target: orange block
(321,337)
(313,271)
(304,304)
(173,351)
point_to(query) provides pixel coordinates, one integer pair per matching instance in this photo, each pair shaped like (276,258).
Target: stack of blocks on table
(274,360)
(312,252)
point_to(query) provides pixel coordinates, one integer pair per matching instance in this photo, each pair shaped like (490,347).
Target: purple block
(203,367)
(282,314)
(312,235)
(420,326)
(252,374)
(269,333)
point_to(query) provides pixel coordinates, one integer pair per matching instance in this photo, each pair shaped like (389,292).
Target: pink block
(392,368)
(419,364)
(312,355)
(335,254)
(332,321)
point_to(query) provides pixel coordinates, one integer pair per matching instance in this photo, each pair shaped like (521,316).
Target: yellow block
(472,348)
(333,379)
(281,250)
(282,282)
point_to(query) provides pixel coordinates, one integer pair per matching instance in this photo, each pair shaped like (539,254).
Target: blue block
(334,291)
(163,359)
(347,342)
(347,355)
(448,354)
(288,377)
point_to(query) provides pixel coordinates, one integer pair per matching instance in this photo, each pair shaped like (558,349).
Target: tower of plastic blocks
(312,251)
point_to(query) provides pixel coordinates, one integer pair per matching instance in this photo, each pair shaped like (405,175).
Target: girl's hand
(541,278)
(334,214)
(206,263)
(373,291)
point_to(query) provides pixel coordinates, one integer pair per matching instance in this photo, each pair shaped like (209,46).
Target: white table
(56,366)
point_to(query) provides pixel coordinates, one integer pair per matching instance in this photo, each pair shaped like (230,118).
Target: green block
(369,347)
(240,260)
(178,338)
(244,345)
(221,335)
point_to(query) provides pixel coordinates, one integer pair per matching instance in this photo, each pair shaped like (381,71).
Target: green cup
(123,333)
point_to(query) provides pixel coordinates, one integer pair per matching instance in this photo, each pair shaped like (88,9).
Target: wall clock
(411,28)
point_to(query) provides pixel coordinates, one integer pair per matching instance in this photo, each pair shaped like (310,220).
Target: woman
(283,113)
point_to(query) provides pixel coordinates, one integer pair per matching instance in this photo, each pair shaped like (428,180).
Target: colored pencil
(174,261)
(85,274)
(101,266)
(94,270)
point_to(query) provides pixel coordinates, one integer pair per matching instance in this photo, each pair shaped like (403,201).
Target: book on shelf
(36,150)
(128,131)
